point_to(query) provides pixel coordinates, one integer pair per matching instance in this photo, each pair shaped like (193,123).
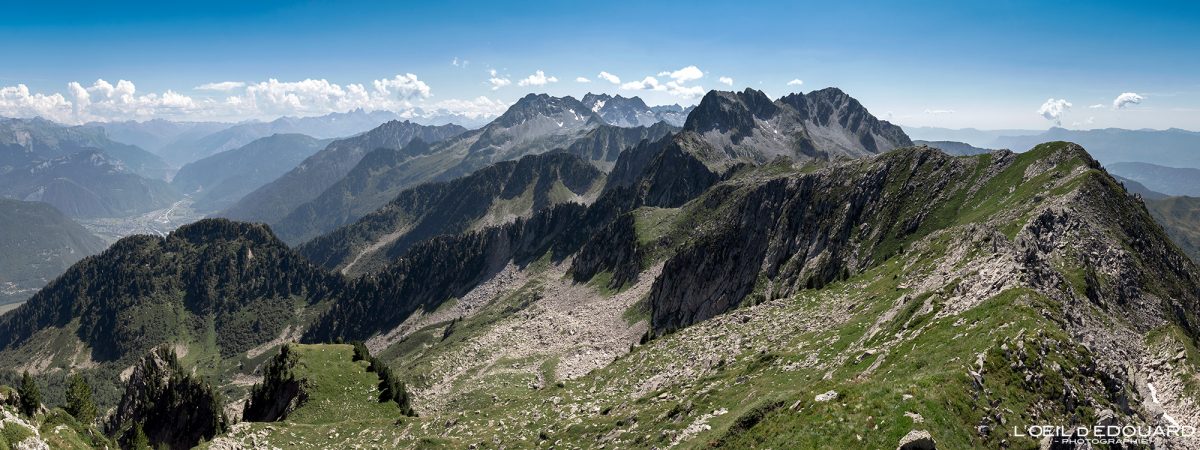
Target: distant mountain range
(188,147)
(1180,217)
(38,243)
(79,171)
(633,112)
(1172,147)
(25,140)
(1168,180)
(220,180)
(534,124)
(495,195)
(954,148)
(971,136)
(275,200)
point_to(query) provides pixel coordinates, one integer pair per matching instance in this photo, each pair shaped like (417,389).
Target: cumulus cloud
(1096,106)
(459,62)
(17,101)
(538,78)
(497,81)
(105,101)
(671,87)
(795,82)
(223,86)
(405,86)
(726,81)
(1125,99)
(648,83)
(684,75)
(1053,109)
(609,77)
(582,80)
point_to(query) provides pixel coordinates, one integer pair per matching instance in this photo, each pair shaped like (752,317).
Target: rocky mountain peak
(822,124)
(532,106)
(728,111)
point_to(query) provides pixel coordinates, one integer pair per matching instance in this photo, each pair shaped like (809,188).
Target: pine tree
(79,400)
(31,397)
(140,440)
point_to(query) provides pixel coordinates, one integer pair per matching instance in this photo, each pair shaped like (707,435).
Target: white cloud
(1125,99)
(460,62)
(1096,106)
(685,74)
(223,86)
(405,86)
(1053,109)
(609,77)
(939,111)
(17,101)
(582,80)
(105,101)
(648,83)
(1089,121)
(726,81)
(671,87)
(538,78)
(795,82)
(497,81)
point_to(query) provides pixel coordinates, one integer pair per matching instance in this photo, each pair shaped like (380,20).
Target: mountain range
(275,200)
(533,125)
(633,112)
(1171,147)
(495,195)
(78,170)
(953,148)
(1167,180)
(220,180)
(182,143)
(32,140)
(39,243)
(788,273)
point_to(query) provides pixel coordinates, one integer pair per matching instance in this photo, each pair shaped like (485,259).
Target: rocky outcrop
(615,249)
(173,408)
(804,231)
(280,393)
(604,144)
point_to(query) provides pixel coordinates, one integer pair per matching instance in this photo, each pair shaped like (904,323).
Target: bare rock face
(824,124)
(174,409)
(804,232)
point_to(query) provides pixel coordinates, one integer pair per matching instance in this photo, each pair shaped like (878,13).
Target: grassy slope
(749,378)
(342,407)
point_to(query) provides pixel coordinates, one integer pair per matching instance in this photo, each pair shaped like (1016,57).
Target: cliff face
(174,409)
(826,124)
(798,232)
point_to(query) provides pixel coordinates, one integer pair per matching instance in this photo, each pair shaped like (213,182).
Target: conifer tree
(31,397)
(79,400)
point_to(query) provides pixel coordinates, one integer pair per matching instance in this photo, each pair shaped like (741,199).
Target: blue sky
(949,63)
